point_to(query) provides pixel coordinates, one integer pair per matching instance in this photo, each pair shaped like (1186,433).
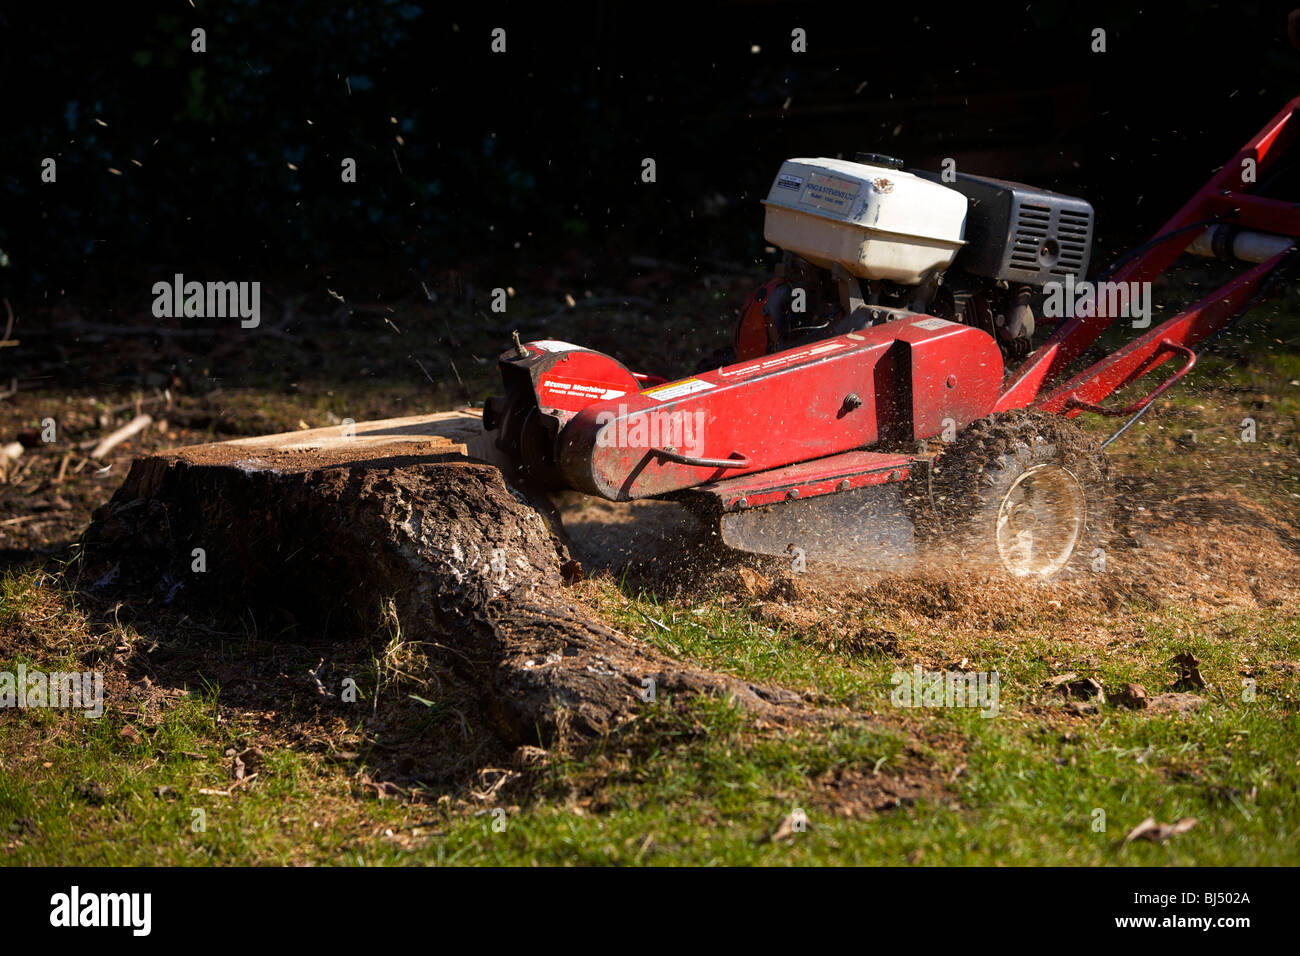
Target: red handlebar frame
(1226,198)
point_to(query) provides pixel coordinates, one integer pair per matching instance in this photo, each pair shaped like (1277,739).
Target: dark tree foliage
(231,158)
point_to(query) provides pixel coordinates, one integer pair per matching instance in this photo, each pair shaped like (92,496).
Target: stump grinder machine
(885,393)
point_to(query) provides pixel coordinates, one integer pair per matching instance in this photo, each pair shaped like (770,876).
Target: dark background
(465,156)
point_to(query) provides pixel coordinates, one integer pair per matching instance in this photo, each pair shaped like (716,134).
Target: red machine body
(843,413)
(904,380)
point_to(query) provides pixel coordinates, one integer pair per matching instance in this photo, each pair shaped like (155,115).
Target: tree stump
(320,532)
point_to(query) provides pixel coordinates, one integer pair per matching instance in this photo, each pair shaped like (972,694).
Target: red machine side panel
(819,399)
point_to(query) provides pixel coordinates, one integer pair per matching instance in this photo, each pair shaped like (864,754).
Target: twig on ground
(136,404)
(112,440)
(5,341)
(659,624)
(21,518)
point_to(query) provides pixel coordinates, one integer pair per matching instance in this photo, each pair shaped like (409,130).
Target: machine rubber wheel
(1025,491)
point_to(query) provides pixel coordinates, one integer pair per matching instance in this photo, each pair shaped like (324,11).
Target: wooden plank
(406,440)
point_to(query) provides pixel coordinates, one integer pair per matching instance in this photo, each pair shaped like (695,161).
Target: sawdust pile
(1207,548)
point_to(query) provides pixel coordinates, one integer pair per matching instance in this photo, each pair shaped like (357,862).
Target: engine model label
(830,193)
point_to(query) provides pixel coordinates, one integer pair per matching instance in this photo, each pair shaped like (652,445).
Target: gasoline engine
(867,242)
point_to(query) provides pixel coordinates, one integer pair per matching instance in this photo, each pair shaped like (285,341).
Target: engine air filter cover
(1022,234)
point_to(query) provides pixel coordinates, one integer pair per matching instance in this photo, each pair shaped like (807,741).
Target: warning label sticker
(932,324)
(687,386)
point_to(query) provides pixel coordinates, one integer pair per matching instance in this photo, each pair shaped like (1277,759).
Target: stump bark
(322,539)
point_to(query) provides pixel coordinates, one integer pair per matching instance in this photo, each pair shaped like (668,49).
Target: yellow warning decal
(687,386)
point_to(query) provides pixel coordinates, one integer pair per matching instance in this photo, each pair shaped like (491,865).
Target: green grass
(700,784)
(1253,372)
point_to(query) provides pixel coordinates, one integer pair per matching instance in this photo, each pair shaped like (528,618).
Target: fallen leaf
(1188,669)
(1149,829)
(253,758)
(1060,679)
(130,733)
(753,582)
(528,756)
(1130,695)
(1085,689)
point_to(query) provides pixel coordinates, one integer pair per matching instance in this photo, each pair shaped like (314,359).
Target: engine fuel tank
(873,221)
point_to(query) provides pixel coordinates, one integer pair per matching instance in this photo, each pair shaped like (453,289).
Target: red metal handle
(1165,344)
(741,462)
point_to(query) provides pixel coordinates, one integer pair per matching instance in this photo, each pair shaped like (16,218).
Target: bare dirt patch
(857,791)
